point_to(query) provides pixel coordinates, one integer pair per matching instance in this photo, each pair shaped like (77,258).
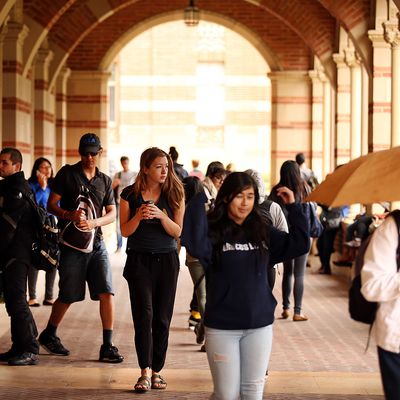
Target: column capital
(44,57)
(339,60)
(391,33)
(351,58)
(16,32)
(288,76)
(377,39)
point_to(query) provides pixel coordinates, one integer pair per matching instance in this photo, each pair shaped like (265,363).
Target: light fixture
(191,14)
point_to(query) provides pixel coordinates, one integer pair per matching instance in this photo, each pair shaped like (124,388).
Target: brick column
(328,139)
(44,138)
(342,110)
(379,104)
(290,117)
(353,62)
(86,111)
(364,110)
(16,121)
(392,36)
(3,32)
(61,117)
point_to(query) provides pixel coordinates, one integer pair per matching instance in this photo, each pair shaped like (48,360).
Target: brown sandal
(143,384)
(158,382)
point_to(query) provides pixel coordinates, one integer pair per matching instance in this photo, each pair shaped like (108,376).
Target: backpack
(45,247)
(360,309)
(265,210)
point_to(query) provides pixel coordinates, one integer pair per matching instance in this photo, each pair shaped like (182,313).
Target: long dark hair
(33,178)
(192,186)
(291,178)
(172,187)
(223,228)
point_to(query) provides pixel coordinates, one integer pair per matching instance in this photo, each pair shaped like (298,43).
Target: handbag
(316,227)
(72,235)
(331,217)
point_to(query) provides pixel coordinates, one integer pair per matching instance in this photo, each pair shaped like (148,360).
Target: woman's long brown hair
(172,188)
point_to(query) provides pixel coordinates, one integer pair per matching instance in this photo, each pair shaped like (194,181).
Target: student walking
(235,247)
(152,212)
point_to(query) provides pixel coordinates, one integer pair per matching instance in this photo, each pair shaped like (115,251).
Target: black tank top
(150,236)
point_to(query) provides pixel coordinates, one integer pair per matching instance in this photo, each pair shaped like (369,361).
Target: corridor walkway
(322,358)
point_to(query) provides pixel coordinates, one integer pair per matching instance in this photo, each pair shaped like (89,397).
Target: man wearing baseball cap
(87,264)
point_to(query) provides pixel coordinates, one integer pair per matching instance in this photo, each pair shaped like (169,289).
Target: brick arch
(288,48)
(354,16)
(113,51)
(293,31)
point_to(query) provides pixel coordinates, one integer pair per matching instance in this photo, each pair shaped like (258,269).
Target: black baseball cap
(89,142)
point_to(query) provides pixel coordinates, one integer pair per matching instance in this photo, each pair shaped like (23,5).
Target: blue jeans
(238,361)
(118,227)
(296,267)
(389,364)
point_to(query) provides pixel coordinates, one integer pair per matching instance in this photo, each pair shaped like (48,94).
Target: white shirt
(381,282)
(126,178)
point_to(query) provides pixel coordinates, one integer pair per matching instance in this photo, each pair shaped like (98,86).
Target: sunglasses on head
(89,153)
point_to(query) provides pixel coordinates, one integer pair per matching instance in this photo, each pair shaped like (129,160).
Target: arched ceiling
(82,32)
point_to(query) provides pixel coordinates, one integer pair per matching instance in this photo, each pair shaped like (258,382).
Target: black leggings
(152,280)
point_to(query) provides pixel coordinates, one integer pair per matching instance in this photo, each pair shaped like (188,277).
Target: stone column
(44,132)
(290,117)
(392,36)
(328,129)
(86,111)
(317,135)
(342,151)
(17,108)
(352,60)
(61,117)
(364,110)
(379,137)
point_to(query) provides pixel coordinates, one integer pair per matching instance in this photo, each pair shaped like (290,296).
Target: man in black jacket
(16,225)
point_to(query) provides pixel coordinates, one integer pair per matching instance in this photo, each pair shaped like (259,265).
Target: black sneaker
(109,353)
(199,332)
(8,354)
(52,344)
(193,321)
(24,359)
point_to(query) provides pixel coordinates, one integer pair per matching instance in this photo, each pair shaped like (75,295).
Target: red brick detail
(343,88)
(61,123)
(380,108)
(87,99)
(23,147)
(349,12)
(317,100)
(12,66)
(41,84)
(43,151)
(290,100)
(378,147)
(61,152)
(291,125)
(41,115)
(15,104)
(87,124)
(317,125)
(382,72)
(61,97)
(342,152)
(287,154)
(47,12)
(344,118)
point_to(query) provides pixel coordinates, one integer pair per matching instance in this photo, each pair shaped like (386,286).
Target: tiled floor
(322,358)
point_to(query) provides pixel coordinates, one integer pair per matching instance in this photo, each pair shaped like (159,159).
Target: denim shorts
(77,268)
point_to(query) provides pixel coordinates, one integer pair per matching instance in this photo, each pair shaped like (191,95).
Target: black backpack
(45,247)
(360,309)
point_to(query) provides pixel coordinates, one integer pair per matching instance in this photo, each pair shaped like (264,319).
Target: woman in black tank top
(151,218)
